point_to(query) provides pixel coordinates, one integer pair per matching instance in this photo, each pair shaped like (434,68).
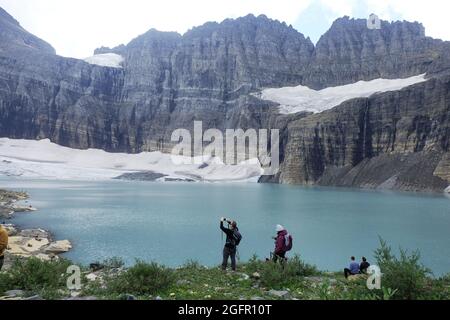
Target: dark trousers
(2,259)
(229,253)
(279,256)
(348,272)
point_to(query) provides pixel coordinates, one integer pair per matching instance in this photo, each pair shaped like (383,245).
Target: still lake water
(173,222)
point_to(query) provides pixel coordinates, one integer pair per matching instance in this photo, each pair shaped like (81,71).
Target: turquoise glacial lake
(174,222)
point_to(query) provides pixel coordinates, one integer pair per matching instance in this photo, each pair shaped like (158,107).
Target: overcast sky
(76,27)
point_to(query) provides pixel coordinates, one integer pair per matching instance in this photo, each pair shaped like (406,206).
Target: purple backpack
(288,242)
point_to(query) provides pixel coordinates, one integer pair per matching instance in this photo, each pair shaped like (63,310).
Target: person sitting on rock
(353,268)
(3,245)
(364,265)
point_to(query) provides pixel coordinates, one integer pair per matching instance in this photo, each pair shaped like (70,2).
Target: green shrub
(275,275)
(192,265)
(298,268)
(254,264)
(405,273)
(113,263)
(141,279)
(36,277)
(445,278)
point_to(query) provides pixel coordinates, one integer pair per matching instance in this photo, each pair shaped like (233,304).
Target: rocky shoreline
(27,243)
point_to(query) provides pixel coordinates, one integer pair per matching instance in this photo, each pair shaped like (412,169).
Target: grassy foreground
(403,278)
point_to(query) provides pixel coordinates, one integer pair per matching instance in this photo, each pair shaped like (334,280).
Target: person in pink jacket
(281,244)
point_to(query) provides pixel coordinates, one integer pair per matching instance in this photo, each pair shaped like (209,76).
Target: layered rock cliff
(168,80)
(350,52)
(394,140)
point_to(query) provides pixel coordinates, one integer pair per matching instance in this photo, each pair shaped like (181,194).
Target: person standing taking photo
(233,240)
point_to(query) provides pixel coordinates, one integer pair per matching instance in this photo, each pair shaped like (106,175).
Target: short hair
(353,258)
(364,259)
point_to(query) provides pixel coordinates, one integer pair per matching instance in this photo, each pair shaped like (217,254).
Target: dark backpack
(288,242)
(237,237)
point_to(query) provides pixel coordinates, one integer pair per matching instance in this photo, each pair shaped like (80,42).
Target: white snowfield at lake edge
(47,160)
(111,60)
(301,98)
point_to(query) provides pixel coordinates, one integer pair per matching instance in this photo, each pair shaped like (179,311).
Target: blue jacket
(354,267)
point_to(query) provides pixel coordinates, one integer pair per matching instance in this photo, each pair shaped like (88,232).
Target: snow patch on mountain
(301,98)
(44,159)
(111,60)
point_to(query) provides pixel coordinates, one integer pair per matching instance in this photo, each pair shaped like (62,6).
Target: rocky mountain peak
(349,52)
(249,52)
(6,17)
(358,27)
(153,36)
(247,24)
(13,36)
